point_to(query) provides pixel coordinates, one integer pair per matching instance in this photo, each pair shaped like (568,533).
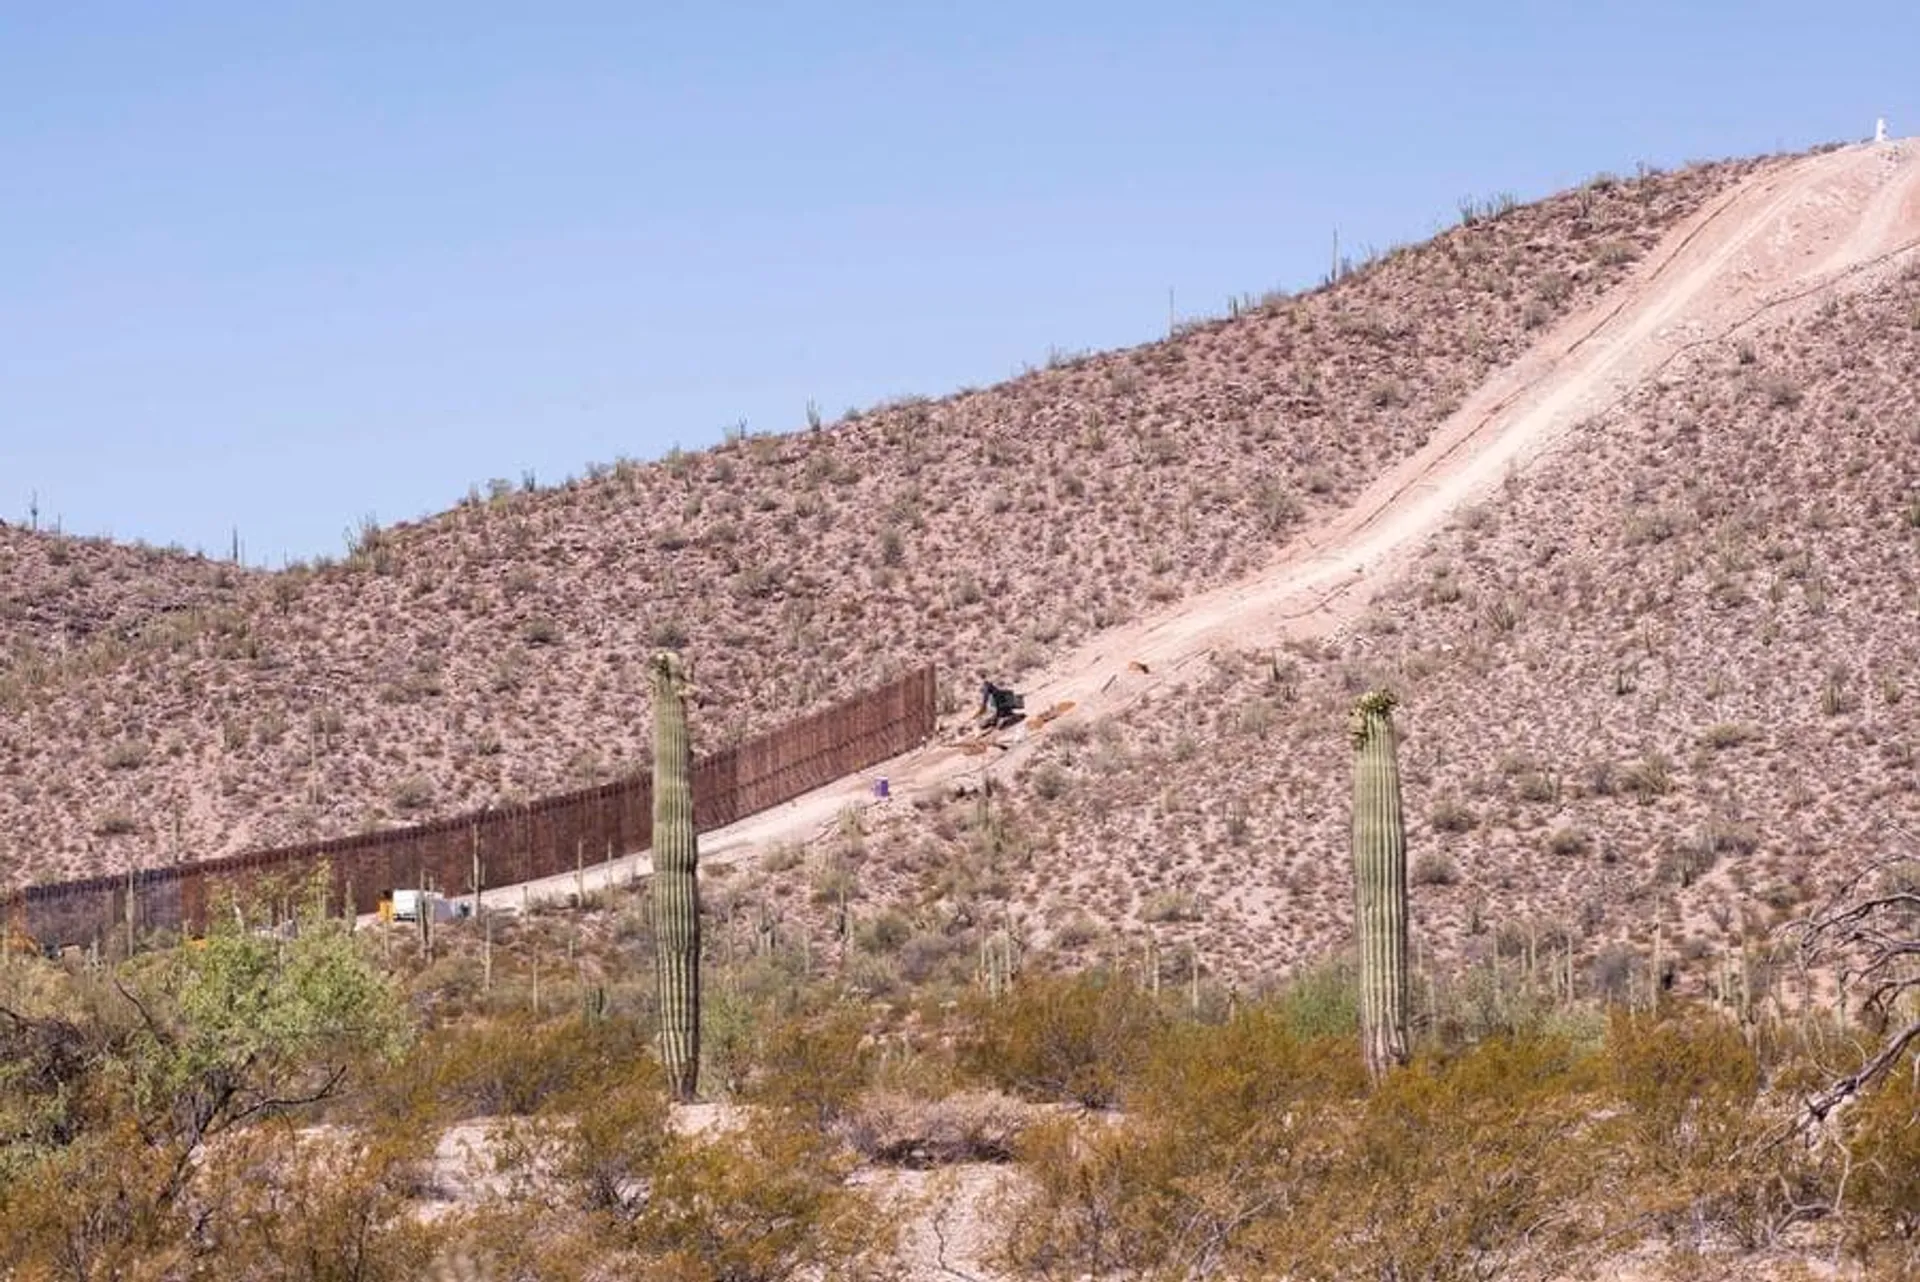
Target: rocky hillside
(59,596)
(1663,680)
(493,652)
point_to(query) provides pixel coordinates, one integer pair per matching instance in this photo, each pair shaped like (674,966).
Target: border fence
(492,847)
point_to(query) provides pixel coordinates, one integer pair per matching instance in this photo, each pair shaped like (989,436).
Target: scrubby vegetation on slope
(494,653)
(273,1106)
(61,595)
(1656,688)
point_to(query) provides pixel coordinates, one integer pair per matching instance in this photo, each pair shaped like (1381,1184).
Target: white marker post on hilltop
(1880,129)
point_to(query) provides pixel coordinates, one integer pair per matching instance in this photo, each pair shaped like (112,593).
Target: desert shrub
(1322,1001)
(768,1201)
(765,1200)
(930,954)
(1076,931)
(1049,781)
(591,1147)
(871,975)
(729,1022)
(1095,1203)
(414,792)
(1883,1195)
(1613,253)
(1611,972)
(510,1066)
(45,1066)
(1073,1038)
(1170,906)
(1449,814)
(116,822)
(1778,390)
(810,1066)
(1538,785)
(517,1240)
(1214,1082)
(159,1108)
(98,1207)
(1729,734)
(1729,837)
(1454,1168)
(1495,999)
(783,857)
(246,1024)
(1649,777)
(900,1129)
(1692,1125)
(1249,1151)
(1433,868)
(884,932)
(453,984)
(127,754)
(313,1207)
(1569,840)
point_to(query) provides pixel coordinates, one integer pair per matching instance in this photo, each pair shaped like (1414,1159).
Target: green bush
(1322,1001)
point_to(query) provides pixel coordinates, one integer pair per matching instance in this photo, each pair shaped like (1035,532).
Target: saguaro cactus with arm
(1379,884)
(676,895)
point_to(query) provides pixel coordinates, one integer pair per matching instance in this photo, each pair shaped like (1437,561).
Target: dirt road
(1775,246)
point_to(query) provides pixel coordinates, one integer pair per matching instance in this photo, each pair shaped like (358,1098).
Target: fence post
(479,875)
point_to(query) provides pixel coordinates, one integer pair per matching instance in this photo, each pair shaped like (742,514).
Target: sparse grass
(1171,906)
(117,822)
(1568,841)
(1649,777)
(127,754)
(1729,734)
(1452,815)
(412,793)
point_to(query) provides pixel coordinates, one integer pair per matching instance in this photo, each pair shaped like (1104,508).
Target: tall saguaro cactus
(676,895)
(1379,884)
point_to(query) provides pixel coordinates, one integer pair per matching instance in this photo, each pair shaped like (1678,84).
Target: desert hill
(1661,681)
(492,653)
(1654,677)
(59,595)
(1619,493)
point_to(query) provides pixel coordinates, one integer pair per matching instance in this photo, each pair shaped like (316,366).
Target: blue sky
(275,270)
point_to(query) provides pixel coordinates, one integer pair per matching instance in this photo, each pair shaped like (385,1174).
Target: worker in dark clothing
(999,706)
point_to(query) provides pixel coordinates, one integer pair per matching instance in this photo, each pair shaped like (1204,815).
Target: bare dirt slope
(1148,805)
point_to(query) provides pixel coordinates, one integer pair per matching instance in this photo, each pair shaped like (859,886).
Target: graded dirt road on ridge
(1772,247)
